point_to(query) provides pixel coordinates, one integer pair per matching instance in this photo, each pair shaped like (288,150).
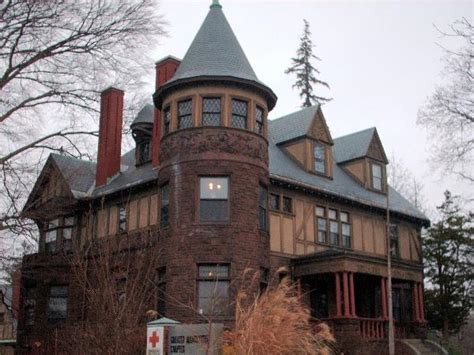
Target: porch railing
(371,328)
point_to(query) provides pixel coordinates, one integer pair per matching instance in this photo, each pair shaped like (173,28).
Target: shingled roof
(352,146)
(216,54)
(294,125)
(81,174)
(145,115)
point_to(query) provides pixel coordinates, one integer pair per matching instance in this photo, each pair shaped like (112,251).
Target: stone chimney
(110,135)
(165,69)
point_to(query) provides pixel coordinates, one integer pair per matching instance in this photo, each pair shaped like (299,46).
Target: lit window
(211,111)
(57,303)
(185,119)
(213,289)
(394,240)
(165,202)
(287,204)
(214,199)
(377,176)
(320,159)
(259,119)
(262,208)
(166,120)
(274,202)
(239,113)
(122,221)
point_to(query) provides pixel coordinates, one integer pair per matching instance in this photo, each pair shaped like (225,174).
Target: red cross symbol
(154,339)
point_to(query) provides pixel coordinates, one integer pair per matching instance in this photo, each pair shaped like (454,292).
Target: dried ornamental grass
(277,322)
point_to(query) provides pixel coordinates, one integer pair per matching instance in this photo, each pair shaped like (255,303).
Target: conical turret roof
(214,54)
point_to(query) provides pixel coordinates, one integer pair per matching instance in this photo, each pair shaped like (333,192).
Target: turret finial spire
(215,3)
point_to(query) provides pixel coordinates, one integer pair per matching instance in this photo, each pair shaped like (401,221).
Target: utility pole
(391,337)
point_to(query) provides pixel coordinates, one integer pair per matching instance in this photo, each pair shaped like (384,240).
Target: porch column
(351,285)
(347,312)
(416,304)
(338,295)
(383,291)
(422,305)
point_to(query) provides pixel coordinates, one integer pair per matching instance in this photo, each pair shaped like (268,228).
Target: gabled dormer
(62,181)
(142,131)
(305,137)
(362,156)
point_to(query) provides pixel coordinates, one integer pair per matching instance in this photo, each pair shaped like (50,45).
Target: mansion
(222,189)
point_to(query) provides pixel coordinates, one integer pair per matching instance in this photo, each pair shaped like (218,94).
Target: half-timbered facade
(223,189)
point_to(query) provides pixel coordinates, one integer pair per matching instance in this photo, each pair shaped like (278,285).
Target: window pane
(346,229)
(166,120)
(262,210)
(57,302)
(322,230)
(68,221)
(259,120)
(287,204)
(53,224)
(165,200)
(239,113)
(211,111)
(334,233)
(320,211)
(122,219)
(213,271)
(377,176)
(275,202)
(214,210)
(320,159)
(344,217)
(67,233)
(213,297)
(332,214)
(184,114)
(51,236)
(214,188)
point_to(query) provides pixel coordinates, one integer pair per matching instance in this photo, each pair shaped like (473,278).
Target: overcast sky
(380,58)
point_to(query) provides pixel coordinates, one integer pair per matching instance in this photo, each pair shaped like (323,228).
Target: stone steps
(423,348)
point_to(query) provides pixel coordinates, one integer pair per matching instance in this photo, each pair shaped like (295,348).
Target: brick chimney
(165,69)
(110,135)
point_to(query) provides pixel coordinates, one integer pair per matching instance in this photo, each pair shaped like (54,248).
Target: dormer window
(319,152)
(239,114)
(259,119)
(211,111)
(376,176)
(166,120)
(143,152)
(185,119)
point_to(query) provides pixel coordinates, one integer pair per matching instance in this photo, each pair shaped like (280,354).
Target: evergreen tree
(305,71)
(448,253)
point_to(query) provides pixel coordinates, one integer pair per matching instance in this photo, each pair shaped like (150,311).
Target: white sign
(195,339)
(154,341)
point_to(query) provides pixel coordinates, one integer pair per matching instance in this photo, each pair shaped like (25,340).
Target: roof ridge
(357,132)
(53,154)
(294,112)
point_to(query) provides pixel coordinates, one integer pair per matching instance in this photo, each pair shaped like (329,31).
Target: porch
(356,304)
